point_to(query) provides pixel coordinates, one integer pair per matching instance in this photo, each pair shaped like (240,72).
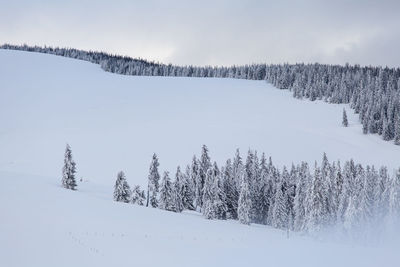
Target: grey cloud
(214,32)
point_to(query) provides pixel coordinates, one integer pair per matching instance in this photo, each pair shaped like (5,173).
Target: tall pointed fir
(194,174)
(345,122)
(368,196)
(231,191)
(301,195)
(188,190)
(280,212)
(153,183)
(220,200)
(122,192)
(208,208)
(244,205)
(138,196)
(69,170)
(179,190)
(167,198)
(237,175)
(317,214)
(265,192)
(205,164)
(397,131)
(394,202)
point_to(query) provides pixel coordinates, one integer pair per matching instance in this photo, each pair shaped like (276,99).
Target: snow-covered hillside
(115,123)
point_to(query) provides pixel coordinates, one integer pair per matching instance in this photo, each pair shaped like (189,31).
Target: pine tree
(195,177)
(394,202)
(301,196)
(167,198)
(383,193)
(368,196)
(122,192)
(69,170)
(138,196)
(353,214)
(265,192)
(345,123)
(280,212)
(205,164)
(317,216)
(397,131)
(188,190)
(244,206)
(153,183)
(179,190)
(230,188)
(208,208)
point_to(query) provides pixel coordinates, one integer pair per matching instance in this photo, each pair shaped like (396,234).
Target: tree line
(350,197)
(373,92)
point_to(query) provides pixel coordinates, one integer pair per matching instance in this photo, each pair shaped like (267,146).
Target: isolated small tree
(122,192)
(345,122)
(69,170)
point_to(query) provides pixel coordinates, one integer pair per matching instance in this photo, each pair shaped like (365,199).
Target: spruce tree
(69,170)
(394,202)
(179,190)
(345,123)
(280,212)
(138,197)
(317,216)
(301,195)
(397,131)
(167,198)
(122,192)
(244,205)
(188,190)
(208,208)
(153,183)
(205,164)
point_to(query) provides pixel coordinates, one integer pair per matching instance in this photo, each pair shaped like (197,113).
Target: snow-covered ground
(115,123)
(44,225)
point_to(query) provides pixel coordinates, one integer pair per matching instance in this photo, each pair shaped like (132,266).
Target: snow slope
(114,123)
(44,225)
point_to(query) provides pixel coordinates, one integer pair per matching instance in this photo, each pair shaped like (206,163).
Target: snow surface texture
(115,123)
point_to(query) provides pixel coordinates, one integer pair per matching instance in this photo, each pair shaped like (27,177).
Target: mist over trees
(347,197)
(373,92)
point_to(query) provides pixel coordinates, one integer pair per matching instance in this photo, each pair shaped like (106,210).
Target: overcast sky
(213,32)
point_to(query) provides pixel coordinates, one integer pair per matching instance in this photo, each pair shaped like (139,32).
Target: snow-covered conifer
(153,183)
(122,191)
(167,198)
(138,196)
(205,165)
(69,170)
(244,206)
(345,122)
(179,190)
